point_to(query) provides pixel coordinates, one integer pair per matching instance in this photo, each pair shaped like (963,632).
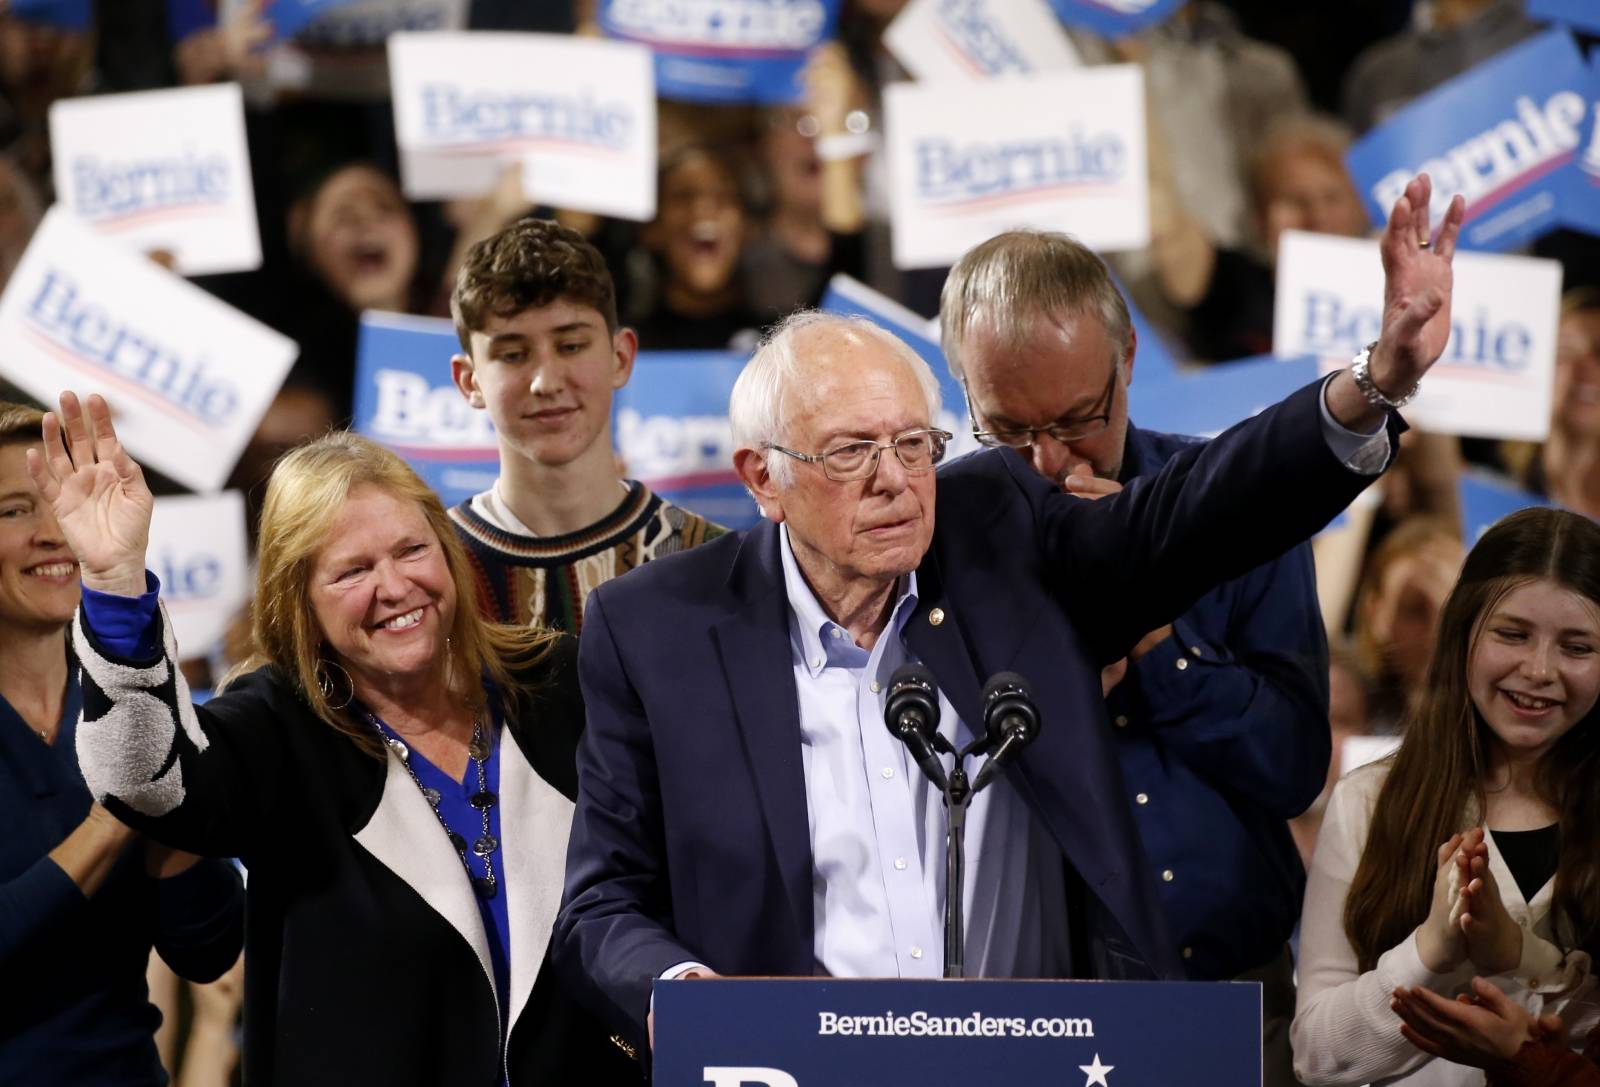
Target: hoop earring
(326,685)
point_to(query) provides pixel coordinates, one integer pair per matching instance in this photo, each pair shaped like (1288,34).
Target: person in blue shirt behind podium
(1220,717)
(396,772)
(741,807)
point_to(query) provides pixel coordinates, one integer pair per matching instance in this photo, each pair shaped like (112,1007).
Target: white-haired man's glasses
(919,450)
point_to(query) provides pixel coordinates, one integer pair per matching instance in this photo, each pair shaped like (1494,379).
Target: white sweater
(1344,1032)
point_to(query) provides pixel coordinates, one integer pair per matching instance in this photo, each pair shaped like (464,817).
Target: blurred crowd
(1252,106)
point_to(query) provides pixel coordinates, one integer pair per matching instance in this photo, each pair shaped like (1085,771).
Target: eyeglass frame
(944,437)
(1095,423)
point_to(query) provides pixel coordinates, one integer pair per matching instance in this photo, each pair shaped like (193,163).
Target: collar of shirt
(818,642)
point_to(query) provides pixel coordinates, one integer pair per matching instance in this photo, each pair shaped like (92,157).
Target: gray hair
(1007,282)
(757,407)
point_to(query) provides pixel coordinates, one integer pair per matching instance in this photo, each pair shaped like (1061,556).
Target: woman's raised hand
(1494,942)
(98,494)
(1440,943)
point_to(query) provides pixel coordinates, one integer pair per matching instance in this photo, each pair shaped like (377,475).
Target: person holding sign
(82,898)
(741,807)
(1475,848)
(395,773)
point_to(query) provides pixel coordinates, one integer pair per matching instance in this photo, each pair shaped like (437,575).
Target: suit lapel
(536,821)
(758,664)
(405,836)
(942,645)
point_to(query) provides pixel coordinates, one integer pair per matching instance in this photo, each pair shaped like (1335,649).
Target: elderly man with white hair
(742,808)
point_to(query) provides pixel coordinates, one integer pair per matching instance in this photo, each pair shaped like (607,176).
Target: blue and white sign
(807,1032)
(1486,498)
(1580,208)
(1496,375)
(287,17)
(1114,18)
(198,550)
(162,170)
(1503,135)
(339,55)
(725,51)
(362,24)
(1581,15)
(670,424)
(978,39)
(188,375)
(406,400)
(77,15)
(1207,401)
(1057,151)
(579,114)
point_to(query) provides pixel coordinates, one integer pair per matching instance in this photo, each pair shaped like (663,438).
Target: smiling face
(699,227)
(360,238)
(866,531)
(381,590)
(1577,389)
(546,377)
(1534,668)
(38,576)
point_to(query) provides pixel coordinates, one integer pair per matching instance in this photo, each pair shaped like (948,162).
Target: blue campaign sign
(727,51)
(288,17)
(65,14)
(1504,135)
(1486,498)
(405,399)
(1581,208)
(1114,18)
(1579,14)
(1206,402)
(837,1033)
(670,423)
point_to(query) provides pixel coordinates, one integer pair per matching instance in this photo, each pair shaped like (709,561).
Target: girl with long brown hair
(1474,849)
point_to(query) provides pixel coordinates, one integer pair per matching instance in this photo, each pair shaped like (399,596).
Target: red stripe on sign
(960,54)
(101,372)
(1516,184)
(496,147)
(1023,196)
(707,49)
(114,223)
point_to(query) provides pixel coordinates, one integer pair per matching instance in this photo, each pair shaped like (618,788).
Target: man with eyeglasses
(1220,717)
(741,807)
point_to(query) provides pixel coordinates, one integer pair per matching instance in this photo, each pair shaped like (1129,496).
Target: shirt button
(887,772)
(1142,798)
(1121,721)
(1183,662)
(816,662)
(1195,650)
(875,687)
(916,952)
(899,864)
(1166,875)
(1188,952)
(836,632)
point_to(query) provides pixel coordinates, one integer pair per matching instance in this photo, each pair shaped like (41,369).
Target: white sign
(579,113)
(197,548)
(161,170)
(1058,152)
(978,39)
(188,376)
(1495,376)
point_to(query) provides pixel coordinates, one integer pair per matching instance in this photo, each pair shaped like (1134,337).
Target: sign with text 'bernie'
(579,114)
(1504,135)
(818,1033)
(978,39)
(1495,377)
(670,424)
(187,375)
(1114,18)
(1581,15)
(161,170)
(197,548)
(1580,209)
(725,51)
(406,400)
(1058,151)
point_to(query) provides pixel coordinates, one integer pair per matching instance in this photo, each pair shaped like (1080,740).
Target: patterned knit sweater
(546,580)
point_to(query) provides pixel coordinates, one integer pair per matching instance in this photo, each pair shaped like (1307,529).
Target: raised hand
(98,494)
(1440,943)
(1417,283)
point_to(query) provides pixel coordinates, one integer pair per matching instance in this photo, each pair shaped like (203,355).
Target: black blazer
(691,838)
(366,959)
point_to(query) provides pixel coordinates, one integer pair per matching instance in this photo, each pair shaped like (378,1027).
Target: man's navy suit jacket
(691,838)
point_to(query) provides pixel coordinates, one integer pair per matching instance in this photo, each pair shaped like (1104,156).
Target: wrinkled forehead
(850,380)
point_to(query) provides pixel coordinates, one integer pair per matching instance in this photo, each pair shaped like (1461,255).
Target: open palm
(1417,281)
(97,492)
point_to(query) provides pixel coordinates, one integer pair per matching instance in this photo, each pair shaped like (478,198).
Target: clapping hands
(1467,920)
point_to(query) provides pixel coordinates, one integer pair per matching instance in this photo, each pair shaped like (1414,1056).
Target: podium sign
(807,1032)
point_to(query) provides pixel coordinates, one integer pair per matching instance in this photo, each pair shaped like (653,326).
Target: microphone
(1010,719)
(911,711)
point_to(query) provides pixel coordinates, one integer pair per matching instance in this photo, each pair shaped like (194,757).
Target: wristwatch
(1361,370)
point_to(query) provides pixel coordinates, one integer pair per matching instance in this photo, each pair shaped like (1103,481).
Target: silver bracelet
(1361,370)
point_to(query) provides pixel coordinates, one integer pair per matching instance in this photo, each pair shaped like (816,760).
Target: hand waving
(1417,283)
(98,494)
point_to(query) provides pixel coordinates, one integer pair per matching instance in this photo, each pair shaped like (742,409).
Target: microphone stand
(957,796)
